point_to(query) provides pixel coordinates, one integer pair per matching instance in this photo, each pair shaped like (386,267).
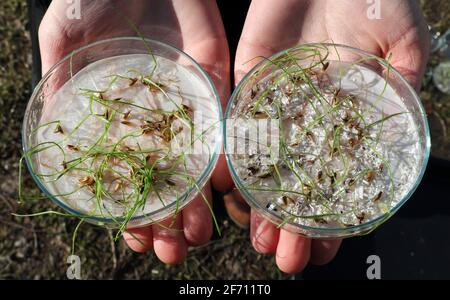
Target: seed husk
(361,217)
(261,115)
(253,92)
(311,136)
(118,186)
(107,114)
(320,176)
(353,142)
(321,221)
(170,182)
(72,147)
(126,123)
(187,109)
(58,129)
(287,200)
(378,196)
(126,148)
(253,170)
(155,87)
(86,181)
(132,81)
(370,176)
(126,115)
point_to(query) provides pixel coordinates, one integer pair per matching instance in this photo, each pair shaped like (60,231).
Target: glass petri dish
(300,142)
(75,72)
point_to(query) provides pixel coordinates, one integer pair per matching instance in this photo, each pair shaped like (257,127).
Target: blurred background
(37,248)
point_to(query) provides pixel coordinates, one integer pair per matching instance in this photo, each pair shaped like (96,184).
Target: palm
(193,26)
(275,25)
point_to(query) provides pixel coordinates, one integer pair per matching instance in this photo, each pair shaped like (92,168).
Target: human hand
(272,26)
(195,27)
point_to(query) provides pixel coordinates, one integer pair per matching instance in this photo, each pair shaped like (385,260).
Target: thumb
(410,55)
(248,55)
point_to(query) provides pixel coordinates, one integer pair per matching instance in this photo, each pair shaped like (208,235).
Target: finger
(268,29)
(197,221)
(221,178)
(263,234)
(323,251)
(293,252)
(168,240)
(248,55)
(139,239)
(410,54)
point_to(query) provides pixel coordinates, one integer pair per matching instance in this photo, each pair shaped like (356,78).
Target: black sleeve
(36,11)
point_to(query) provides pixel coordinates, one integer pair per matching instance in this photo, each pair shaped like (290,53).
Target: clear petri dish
(123,132)
(326,140)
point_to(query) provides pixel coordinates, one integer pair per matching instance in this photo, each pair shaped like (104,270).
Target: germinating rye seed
(125,137)
(346,150)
